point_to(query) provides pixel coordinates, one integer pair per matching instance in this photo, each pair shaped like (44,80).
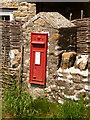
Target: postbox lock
(39,37)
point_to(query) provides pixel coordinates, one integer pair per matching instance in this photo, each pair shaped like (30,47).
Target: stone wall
(72,79)
(37,90)
(71,82)
(54,51)
(11,42)
(11,35)
(67,72)
(24,11)
(83,35)
(8,4)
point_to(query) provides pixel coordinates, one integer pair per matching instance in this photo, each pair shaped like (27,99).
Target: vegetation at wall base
(17,103)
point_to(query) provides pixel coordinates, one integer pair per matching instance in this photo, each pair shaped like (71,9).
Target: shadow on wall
(68,40)
(67,43)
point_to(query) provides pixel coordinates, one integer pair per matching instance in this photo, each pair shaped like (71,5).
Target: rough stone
(60,83)
(23,4)
(25,11)
(76,78)
(14,58)
(23,8)
(68,59)
(87,87)
(61,101)
(85,80)
(78,87)
(23,14)
(81,62)
(82,65)
(16,13)
(54,89)
(48,90)
(69,91)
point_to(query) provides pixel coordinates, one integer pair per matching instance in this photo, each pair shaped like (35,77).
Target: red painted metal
(38,58)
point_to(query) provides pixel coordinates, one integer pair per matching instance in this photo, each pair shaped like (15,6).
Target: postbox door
(38,66)
(38,58)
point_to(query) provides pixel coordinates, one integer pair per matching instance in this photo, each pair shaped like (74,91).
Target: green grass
(22,105)
(17,103)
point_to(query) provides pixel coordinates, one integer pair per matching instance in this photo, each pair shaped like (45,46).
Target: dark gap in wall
(59,59)
(67,43)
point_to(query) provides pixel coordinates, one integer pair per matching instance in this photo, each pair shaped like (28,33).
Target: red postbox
(38,58)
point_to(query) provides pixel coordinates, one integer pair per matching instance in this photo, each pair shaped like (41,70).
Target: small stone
(82,65)
(76,78)
(54,89)
(61,83)
(69,91)
(60,101)
(87,87)
(78,87)
(48,90)
(62,88)
(85,80)
(23,8)
(69,76)
(23,3)
(60,75)
(16,13)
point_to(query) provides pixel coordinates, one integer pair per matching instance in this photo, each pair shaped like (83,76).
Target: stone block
(61,83)
(76,80)
(14,58)
(69,91)
(87,87)
(61,101)
(23,3)
(54,89)
(78,87)
(16,13)
(22,14)
(81,62)
(22,8)
(68,59)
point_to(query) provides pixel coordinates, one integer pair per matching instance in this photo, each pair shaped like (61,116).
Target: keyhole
(34,77)
(39,37)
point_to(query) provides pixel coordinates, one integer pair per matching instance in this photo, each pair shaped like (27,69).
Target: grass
(17,103)
(22,105)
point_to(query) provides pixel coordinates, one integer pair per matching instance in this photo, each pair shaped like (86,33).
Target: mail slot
(38,58)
